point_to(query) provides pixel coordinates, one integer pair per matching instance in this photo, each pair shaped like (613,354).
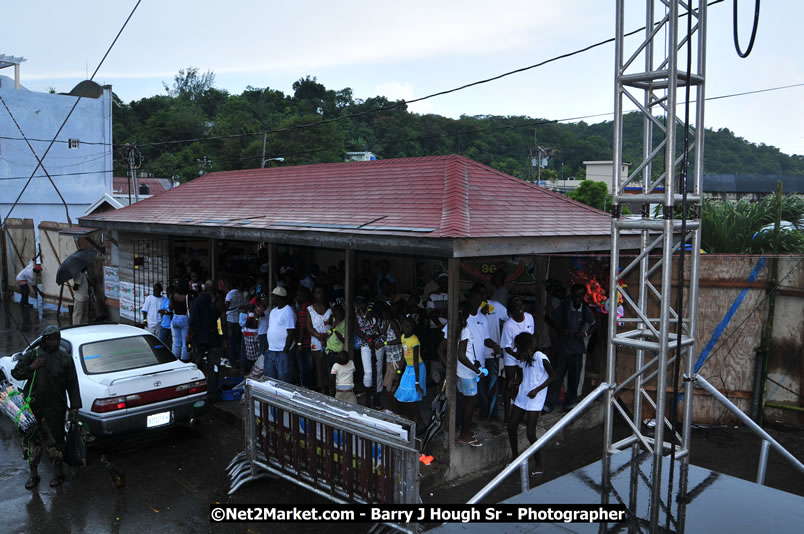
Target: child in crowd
(532,377)
(335,337)
(412,384)
(342,378)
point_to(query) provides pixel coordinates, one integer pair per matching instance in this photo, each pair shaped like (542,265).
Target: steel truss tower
(654,76)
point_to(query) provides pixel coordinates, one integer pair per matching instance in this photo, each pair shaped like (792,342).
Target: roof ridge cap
(455,216)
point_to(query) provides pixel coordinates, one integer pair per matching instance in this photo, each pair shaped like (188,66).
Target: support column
(349,301)
(453,335)
(213,255)
(272,259)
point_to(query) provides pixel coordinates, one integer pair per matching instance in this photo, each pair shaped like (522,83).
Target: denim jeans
(178,329)
(165,335)
(277,365)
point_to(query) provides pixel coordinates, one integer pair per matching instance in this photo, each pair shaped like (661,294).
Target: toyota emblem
(157,384)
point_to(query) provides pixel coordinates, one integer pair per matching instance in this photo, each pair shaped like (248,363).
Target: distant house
(79,161)
(749,186)
(123,188)
(360,156)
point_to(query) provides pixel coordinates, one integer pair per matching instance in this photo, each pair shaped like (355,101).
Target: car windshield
(124,353)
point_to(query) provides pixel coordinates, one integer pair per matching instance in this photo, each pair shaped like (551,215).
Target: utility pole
(203,165)
(133,163)
(132,158)
(264,140)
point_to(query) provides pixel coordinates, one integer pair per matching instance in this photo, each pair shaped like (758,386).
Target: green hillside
(192,110)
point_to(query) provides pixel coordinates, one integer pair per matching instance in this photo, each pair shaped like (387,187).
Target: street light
(271,159)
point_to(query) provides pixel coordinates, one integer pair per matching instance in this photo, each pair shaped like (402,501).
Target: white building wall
(82,175)
(603,171)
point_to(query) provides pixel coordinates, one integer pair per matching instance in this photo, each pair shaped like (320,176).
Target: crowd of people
(400,340)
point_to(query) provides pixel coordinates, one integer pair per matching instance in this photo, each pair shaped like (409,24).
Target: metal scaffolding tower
(658,74)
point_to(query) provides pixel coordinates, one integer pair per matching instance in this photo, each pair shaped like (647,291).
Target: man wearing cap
(50,373)
(26,280)
(281,326)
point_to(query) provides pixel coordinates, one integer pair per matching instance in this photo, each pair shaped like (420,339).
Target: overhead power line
(400,104)
(527,124)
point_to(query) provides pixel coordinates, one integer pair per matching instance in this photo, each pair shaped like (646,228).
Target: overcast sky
(406,50)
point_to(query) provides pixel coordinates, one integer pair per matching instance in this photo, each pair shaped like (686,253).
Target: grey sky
(406,50)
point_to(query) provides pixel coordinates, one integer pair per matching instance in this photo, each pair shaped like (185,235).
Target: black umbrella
(74,264)
(439,408)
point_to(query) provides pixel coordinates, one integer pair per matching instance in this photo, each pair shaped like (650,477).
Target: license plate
(158,419)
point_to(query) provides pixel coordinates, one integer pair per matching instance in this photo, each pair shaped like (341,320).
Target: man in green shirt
(50,373)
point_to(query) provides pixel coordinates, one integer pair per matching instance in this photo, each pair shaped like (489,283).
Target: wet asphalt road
(171,477)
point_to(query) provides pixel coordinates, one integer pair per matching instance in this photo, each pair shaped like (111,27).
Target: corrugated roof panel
(438,196)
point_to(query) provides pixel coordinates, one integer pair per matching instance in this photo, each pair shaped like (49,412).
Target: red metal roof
(436,196)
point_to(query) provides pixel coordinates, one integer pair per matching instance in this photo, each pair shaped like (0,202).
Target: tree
(192,108)
(592,193)
(190,84)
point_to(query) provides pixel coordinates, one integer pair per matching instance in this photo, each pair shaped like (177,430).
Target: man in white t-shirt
(496,315)
(150,311)
(479,327)
(520,321)
(281,327)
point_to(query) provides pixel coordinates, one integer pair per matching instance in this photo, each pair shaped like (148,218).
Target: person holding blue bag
(412,385)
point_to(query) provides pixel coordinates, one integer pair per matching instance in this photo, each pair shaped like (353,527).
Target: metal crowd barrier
(344,452)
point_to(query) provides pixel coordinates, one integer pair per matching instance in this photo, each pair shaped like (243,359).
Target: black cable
(401,103)
(753,31)
(681,275)
(64,122)
(62,174)
(420,138)
(56,141)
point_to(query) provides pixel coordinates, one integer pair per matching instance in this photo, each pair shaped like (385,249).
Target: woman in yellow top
(412,385)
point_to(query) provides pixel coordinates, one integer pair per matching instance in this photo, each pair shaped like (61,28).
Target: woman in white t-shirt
(533,375)
(519,321)
(320,313)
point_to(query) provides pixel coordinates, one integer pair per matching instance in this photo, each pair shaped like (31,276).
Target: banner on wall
(132,297)
(127,301)
(111,282)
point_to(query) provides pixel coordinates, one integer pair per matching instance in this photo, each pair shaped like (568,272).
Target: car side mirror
(16,356)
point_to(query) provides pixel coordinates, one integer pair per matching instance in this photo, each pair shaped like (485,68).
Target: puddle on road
(20,326)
